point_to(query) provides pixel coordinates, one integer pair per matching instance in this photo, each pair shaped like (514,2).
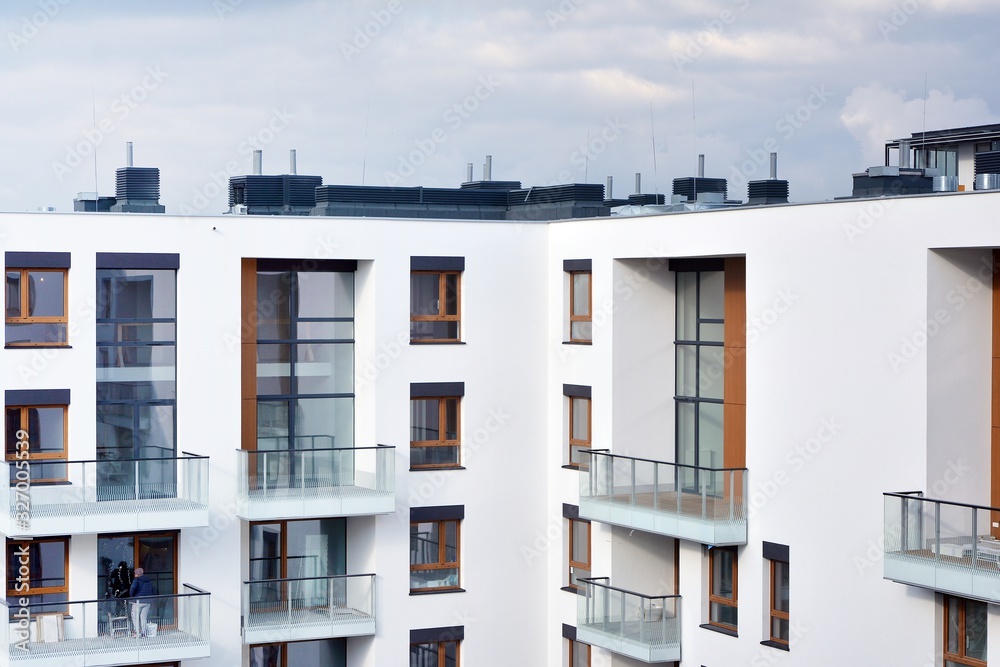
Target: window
(779,602)
(36,305)
(578,428)
(435,424)
(579,654)
(964,632)
(579,551)
(435,548)
(436,647)
(722,565)
(580,300)
(434,654)
(38,570)
(435,299)
(292,654)
(43,429)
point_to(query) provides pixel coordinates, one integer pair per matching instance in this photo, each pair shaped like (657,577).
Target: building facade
(746,436)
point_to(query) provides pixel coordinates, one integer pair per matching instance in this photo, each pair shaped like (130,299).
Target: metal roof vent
(987,168)
(771,191)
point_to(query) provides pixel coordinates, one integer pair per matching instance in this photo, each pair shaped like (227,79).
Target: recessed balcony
(314,483)
(706,505)
(282,610)
(53,497)
(644,627)
(100,632)
(944,546)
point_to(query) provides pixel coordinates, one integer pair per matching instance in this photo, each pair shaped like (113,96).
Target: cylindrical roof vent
(257,162)
(988,181)
(944,184)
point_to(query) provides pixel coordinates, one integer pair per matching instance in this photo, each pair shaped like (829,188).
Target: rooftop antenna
(364,152)
(923,132)
(93,108)
(652,138)
(694,130)
(586,160)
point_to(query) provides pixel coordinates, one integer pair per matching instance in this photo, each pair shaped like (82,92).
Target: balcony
(644,627)
(313,483)
(946,547)
(283,610)
(706,505)
(52,497)
(98,632)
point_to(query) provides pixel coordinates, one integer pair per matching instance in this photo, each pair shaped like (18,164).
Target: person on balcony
(142,587)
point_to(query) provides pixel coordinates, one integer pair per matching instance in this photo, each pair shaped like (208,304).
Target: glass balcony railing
(53,497)
(278,610)
(644,627)
(944,546)
(307,483)
(706,505)
(102,632)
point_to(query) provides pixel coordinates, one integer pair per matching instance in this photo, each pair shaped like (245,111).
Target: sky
(407,92)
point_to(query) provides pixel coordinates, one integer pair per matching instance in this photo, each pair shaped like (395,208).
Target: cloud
(875,113)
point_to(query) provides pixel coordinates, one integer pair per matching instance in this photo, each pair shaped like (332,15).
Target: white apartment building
(747,436)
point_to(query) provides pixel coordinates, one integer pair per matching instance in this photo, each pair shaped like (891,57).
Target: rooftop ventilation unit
(771,191)
(137,189)
(987,168)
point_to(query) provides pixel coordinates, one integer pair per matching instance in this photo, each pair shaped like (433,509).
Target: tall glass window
(700,358)
(305,360)
(136,381)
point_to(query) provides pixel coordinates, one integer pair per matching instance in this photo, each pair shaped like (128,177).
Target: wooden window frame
(12,591)
(959,658)
(11,453)
(441,315)
(25,298)
(776,613)
(577,442)
(442,652)
(574,563)
(715,598)
(572,656)
(573,296)
(441,442)
(441,563)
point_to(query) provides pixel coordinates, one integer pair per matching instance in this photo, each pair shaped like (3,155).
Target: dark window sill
(777,645)
(9,346)
(431,469)
(570,589)
(573,466)
(578,342)
(718,628)
(438,592)
(437,342)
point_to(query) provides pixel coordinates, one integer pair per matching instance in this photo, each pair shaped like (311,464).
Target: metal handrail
(594,581)
(329,576)
(65,603)
(907,495)
(607,452)
(302,451)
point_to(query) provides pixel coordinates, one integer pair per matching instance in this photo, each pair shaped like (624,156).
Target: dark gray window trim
(307,265)
(36,397)
(36,260)
(571,511)
(430,635)
(437,264)
(697,264)
(578,264)
(576,390)
(569,632)
(778,552)
(439,513)
(138,260)
(428,389)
